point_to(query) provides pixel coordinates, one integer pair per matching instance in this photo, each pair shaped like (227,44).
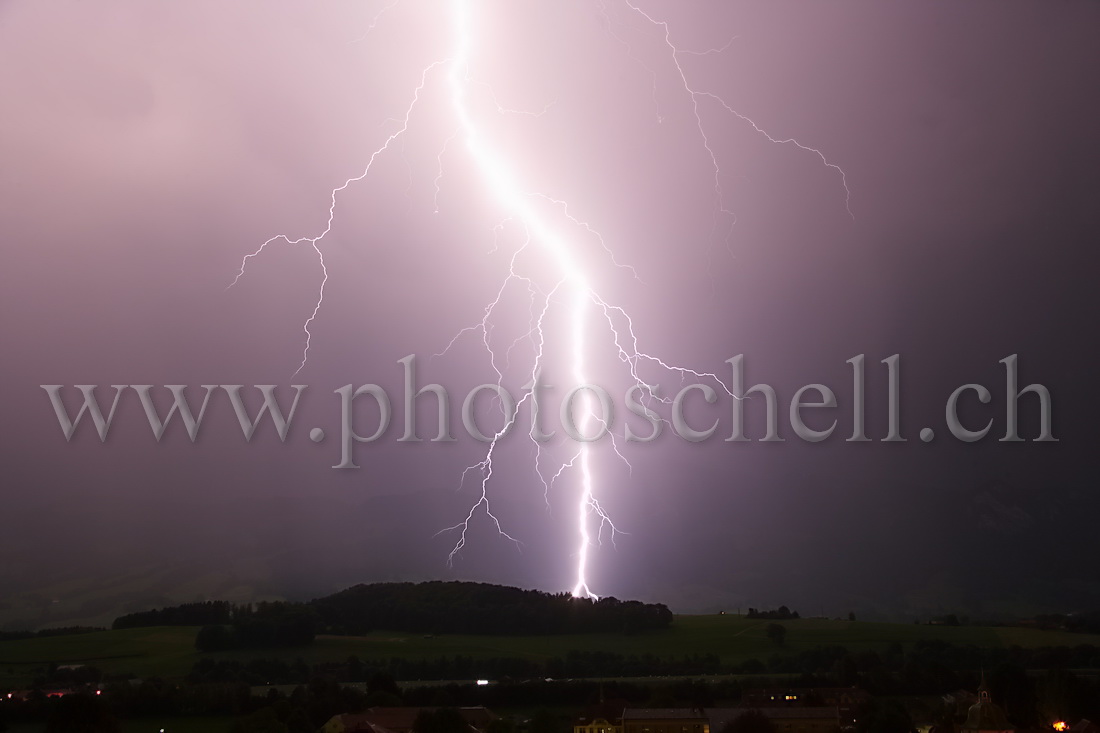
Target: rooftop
(664,714)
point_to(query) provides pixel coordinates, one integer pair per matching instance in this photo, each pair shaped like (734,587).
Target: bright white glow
(574,289)
(501,183)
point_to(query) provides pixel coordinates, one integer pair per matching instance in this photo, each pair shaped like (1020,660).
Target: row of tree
(925,668)
(480,608)
(61,631)
(429,608)
(187,614)
(260,626)
(779,614)
(574,665)
(1081,623)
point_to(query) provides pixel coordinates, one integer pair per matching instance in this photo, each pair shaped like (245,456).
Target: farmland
(169,651)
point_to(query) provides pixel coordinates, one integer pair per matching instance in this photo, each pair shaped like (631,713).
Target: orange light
(1060,726)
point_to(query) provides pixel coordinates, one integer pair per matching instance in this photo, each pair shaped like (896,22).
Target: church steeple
(984,716)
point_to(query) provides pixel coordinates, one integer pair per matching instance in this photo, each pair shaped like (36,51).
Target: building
(401,720)
(604,717)
(958,703)
(785,719)
(665,720)
(985,717)
(846,700)
(351,723)
(597,724)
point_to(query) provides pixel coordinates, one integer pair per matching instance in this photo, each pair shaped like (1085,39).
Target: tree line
(1078,623)
(439,607)
(430,608)
(60,631)
(260,626)
(187,614)
(925,668)
(779,614)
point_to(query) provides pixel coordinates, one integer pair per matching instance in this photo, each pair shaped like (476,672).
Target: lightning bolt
(314,242)
(543,220)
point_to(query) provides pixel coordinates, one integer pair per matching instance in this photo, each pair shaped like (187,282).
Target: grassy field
(169,651)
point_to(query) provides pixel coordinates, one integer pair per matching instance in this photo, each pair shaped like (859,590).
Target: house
(959,702)
(352,723)
(604,717)
(846,700)
(597,724)
(665,720)
(401,720)
(984,716)
(785,719)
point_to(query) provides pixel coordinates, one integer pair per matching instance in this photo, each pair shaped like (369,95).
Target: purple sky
(144,149)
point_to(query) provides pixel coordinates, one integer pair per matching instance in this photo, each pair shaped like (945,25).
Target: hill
(435,607)
(480,608)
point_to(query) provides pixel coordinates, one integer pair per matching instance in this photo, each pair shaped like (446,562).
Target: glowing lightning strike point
(587,500)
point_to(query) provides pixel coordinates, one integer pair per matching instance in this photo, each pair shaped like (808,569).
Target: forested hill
(435,607)
(479,608)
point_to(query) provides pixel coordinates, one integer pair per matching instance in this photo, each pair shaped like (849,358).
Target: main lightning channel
(500,181)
